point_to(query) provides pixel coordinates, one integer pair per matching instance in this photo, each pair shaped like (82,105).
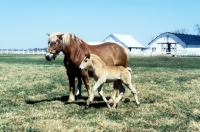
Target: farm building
(125,40)
(173,42)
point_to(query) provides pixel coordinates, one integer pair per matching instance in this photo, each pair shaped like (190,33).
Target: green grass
(33,92)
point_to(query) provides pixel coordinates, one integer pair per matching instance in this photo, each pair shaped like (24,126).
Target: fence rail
(178,53)
(33,52)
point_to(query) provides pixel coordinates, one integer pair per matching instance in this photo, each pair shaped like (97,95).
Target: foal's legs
(115,92)
(94,88)
(121,92)
(133,91)
(100,91)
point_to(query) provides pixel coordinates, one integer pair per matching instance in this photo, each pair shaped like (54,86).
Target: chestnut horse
(74,50)
(103,74)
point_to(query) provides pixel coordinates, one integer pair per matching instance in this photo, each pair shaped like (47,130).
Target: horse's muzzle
(50,56)
(47,57)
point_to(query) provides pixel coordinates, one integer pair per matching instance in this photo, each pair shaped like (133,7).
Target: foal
(103,73)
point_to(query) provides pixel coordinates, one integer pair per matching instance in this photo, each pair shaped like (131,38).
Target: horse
(103,73)
(74,50)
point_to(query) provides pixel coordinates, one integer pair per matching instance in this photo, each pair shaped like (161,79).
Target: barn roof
(126,40)
(187,38)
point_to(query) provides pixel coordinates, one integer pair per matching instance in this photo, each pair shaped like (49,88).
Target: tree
(181,31)
(197,28)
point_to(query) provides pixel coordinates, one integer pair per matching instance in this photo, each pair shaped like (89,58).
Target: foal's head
(87,62)
(54,46)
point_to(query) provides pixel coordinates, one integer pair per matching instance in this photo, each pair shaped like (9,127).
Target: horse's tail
(129,69)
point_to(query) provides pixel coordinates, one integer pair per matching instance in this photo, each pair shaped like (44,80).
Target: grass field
(33,92)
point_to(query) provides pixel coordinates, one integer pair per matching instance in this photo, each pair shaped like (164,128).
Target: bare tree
(181,31)
(197,28)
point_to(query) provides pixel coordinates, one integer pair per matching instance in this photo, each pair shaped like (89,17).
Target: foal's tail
(129,69)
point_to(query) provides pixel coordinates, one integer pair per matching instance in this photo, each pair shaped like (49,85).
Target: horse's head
(86,63)
(54,46)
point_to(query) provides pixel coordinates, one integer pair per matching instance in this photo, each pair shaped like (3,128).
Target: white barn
(125,40)
(174,42)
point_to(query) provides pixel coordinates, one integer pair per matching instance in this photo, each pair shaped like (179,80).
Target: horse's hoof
(111,104)
(67,102)
(138,105)
(78,98)
(127,100)
(87,107)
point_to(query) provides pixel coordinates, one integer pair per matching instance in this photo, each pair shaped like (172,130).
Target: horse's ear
(60,36)
(87,55)
(48,34)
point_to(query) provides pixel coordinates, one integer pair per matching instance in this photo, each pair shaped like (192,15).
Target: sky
(24,23)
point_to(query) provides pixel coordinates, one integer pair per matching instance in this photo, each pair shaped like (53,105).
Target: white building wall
(164,39)
(193,48)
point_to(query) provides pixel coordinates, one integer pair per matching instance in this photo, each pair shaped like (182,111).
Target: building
(125,40)
(173,42)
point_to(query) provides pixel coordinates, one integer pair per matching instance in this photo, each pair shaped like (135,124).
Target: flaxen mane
(68,36)
(53,36)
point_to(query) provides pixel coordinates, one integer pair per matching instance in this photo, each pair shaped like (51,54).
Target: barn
(174,42)
(125,40)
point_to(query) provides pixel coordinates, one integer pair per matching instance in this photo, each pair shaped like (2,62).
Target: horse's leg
(115,92)
(100,91)
(71,78)
(119,97)
(78,92)
(133,91)
(94,88)
(86,81)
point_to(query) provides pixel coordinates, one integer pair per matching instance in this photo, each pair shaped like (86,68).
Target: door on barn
(168,47)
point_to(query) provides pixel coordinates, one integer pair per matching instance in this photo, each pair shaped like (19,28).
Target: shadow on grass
(97,103)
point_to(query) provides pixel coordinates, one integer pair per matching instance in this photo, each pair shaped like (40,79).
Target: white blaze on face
(82,65)
(85,63)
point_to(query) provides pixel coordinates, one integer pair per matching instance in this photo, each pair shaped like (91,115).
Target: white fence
(33,52)
(178,53)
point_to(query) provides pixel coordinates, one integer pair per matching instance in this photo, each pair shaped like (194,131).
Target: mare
(74,50)
(103,73)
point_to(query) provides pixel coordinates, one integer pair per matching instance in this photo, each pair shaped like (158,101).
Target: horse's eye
(85,60)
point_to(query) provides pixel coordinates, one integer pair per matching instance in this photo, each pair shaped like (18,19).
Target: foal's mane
(98,58)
